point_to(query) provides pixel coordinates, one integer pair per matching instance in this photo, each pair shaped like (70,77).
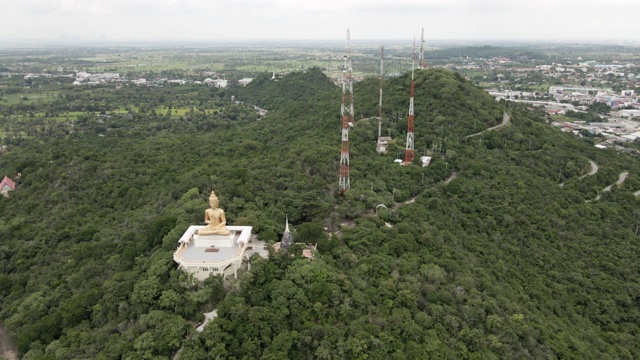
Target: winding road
(621,178)
(8,351)
(593,171)
(505,120)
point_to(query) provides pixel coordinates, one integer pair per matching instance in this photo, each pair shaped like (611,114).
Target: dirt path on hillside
(453,176)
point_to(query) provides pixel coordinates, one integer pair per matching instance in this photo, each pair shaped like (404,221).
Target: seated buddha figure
(214,218)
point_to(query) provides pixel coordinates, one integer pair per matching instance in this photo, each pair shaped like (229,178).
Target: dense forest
(511,258)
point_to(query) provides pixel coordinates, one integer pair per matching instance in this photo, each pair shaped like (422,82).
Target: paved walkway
(8,351)
(207,317)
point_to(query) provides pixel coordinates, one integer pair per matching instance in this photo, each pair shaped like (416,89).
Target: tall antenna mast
(346,112)
(380,102)
(409,151)
(422,63)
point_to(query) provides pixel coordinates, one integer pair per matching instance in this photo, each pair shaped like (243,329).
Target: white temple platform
(205,255)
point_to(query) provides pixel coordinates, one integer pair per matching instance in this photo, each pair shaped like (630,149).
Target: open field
(193,61)
(13,99)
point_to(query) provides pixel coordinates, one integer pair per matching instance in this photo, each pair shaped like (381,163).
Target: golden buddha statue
(214,218)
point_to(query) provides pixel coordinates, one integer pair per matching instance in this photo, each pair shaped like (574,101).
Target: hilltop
(501,262)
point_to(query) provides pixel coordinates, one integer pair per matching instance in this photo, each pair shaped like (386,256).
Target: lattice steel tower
(346,112)
(421,62)
(380,102)
(409,151)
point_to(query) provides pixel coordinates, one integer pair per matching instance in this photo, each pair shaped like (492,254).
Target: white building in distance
(219,83)
(245,81)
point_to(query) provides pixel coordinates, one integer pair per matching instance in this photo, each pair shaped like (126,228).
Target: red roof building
(7,185)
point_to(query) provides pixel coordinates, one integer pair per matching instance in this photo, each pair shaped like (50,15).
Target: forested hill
(501,262)
(294,88)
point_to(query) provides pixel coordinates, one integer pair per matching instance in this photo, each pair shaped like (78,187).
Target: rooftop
(7,182)
(212,249)
(195,253)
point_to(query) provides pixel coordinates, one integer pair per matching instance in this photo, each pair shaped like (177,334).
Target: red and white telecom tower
(346,112)
(409,151)
(422,63)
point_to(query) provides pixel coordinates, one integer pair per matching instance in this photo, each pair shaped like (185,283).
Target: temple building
(213,248)
(218,249)
(287,240)
(287,237)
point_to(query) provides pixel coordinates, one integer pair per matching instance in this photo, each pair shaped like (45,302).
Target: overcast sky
(140,20)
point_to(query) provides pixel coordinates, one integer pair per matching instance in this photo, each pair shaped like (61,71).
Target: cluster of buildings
(588,95)
(503,72)
(36,75)
(218,83)
(560,99)
(590,71)
(620,125)
(85,78)
(617,130)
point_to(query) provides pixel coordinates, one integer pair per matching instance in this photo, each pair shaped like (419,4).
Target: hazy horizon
(204,43)
(196,21)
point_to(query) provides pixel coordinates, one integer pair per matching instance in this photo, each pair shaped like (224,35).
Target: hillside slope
(499,263)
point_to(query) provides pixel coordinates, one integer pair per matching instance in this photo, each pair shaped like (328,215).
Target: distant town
(599,86)
(593,97)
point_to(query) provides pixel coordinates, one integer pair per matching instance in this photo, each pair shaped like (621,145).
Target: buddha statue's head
(213,200)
